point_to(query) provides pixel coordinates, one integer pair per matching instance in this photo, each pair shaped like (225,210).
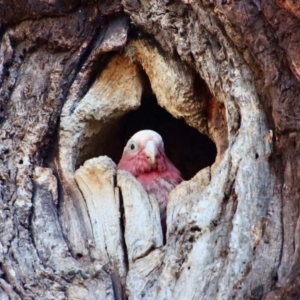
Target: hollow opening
(188,149)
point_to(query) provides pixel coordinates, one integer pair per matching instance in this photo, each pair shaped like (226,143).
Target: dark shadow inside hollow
(188,149)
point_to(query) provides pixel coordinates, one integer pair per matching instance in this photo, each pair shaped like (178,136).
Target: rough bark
(72,226)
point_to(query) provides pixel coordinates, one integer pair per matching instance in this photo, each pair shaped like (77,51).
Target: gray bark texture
(72,76)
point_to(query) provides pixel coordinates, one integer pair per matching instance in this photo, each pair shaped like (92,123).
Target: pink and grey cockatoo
(145,158)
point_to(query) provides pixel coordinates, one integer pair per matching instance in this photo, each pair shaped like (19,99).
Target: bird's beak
(151,150)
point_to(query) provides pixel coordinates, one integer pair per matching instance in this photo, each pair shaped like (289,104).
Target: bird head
(144,152)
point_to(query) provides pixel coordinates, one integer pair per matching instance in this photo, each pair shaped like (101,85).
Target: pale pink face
(143,152)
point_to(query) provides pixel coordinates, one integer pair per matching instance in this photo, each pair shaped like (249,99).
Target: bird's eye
(132,146)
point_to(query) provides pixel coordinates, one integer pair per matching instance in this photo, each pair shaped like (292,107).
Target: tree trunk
(219,80)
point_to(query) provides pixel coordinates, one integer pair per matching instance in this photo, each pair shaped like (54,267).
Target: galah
(145,158)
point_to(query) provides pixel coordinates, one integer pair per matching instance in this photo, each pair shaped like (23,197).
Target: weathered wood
(96,181)
(80,124)
(39,61)
(143,232)
(69,72)
(174,90)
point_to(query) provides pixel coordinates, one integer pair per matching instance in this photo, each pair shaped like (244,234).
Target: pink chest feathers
(144,157)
